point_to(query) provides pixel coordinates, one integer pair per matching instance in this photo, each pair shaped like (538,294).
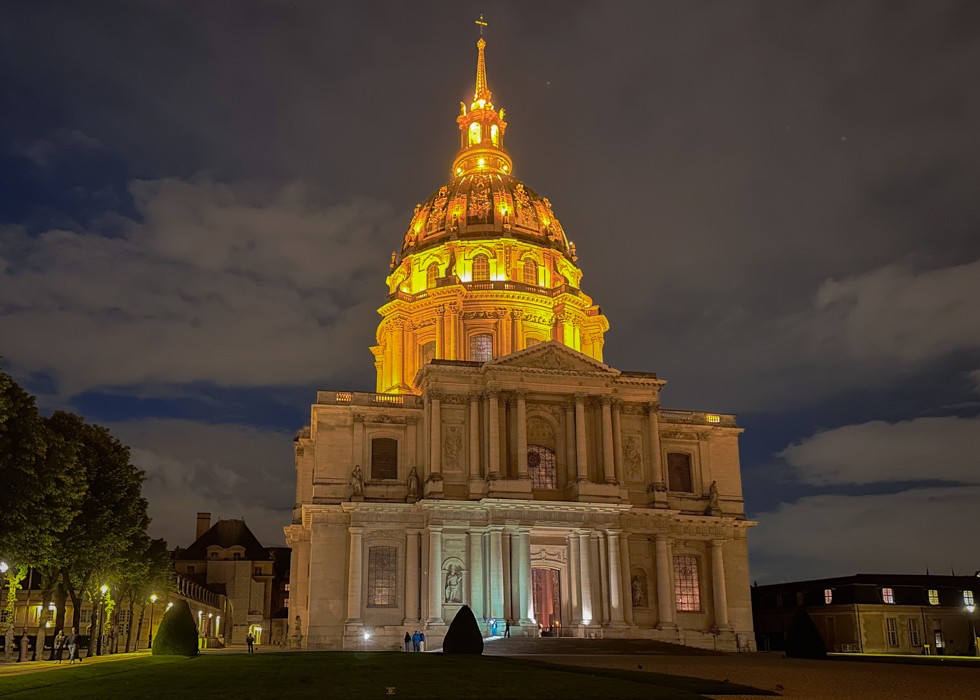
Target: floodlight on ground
(367,636)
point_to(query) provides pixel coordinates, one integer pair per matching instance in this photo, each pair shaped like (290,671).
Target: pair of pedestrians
(415,640)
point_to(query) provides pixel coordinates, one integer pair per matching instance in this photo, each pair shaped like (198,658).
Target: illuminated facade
(485,268)
(501,464)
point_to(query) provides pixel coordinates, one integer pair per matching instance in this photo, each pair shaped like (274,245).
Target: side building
(874,613)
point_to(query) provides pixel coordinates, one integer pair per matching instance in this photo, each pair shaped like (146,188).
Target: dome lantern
(481,129)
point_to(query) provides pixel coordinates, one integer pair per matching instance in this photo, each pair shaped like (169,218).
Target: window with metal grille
(968,598)
(687,590)
(382,576)
(481,268)
(481,347)
(431,275)
(888,595)
(542,467)
(914,632)
(933,596)
(679,472)
(530,272)
(891,626)
(828,596)
(384,458)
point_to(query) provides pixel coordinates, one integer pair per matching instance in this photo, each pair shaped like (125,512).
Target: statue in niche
(454,584)
(414,486)
(638,585)
(714,507)
(357,482)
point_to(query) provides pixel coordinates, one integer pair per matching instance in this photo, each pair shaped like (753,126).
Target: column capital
(474,396)
(477,530)
(580,397)
(434,528)
(495,528)
(492,393)
(664,538)
(412,531)
(521,394)
(435,395)
(613,531)
(606,400)
(718,544)
(356,529)
(568,405)
(652,407)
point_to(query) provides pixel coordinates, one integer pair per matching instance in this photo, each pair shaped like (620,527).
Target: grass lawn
(352,675)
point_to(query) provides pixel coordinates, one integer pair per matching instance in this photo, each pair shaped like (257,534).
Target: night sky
(775,203)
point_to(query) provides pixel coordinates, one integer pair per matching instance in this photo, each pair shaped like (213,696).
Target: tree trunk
(59,603)
(14,577)
(139,629)
(95,630)
(76,613)
(41,629)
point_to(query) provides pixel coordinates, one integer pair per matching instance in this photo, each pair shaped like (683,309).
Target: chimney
(203,524)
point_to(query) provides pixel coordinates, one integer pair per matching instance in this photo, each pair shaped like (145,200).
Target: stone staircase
(573,646)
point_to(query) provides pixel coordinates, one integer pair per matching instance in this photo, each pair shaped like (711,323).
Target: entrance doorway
(256,631)
(547,600)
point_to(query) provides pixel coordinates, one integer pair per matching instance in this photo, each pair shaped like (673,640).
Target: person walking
(408,642)
(58,646)
(250,640)
(73,643)
(415,641)
(421,641)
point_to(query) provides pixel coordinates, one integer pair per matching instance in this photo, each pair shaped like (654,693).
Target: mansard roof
(227,534)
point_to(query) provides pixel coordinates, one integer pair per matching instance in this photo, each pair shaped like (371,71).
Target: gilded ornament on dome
(438,218)
(480,198)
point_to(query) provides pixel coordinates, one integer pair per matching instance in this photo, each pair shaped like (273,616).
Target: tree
(464,636)
(41,490)
(177,633)
(146,570)
(803,640)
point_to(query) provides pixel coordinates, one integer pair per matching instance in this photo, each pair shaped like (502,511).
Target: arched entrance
(546,585)
(256,632)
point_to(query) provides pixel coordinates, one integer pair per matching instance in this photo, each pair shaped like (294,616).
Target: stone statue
(357,482)
(451,267)
(714,507)
(454,585)
(295,640)
(462,109)
(414,486)
(639,594)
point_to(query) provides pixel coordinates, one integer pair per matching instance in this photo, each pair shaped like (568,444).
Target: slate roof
(226,534)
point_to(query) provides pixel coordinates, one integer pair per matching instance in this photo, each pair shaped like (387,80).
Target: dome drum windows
(481,347)
(531,272)
(431,275)
(481,268)
(475,134)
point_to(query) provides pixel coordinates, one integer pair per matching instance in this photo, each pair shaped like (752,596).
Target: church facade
(501,464)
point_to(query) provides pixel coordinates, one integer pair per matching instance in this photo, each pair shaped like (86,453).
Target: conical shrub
(464,636)
(177,633)
(803,640)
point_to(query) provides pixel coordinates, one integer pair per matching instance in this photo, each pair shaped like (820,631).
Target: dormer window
(236,556)
(476,133)
(494,134)
(888,595)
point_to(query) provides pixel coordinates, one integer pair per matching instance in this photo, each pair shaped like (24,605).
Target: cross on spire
(482,24)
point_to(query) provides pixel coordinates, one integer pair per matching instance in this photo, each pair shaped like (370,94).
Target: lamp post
(101,621)
(153,599)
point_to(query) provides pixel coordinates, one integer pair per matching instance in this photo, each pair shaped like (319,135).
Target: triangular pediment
(552,355)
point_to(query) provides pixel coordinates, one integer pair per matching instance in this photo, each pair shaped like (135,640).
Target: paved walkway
(16,669)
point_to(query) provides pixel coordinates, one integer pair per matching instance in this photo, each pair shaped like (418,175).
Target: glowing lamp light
(713,418)
(3,567)
(458,171)
(505,168)
(480,162)
(104,589)
(169,605)
(210,615)
(971,608)
(367,636)
(153,598)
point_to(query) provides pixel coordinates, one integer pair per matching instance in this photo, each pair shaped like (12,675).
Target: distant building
(228,558)
(874,613)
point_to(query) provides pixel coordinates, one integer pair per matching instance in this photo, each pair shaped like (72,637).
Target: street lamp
(153,599)
(98,649)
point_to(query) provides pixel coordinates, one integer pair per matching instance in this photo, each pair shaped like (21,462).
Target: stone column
(355,579)
(386,349)
(494,466)
(599,545)
(475,472)
(522,435)
(454,351)
(574,570)
(435,443)
(526,595)
(496,573)
(665,582)
(718,591)
(476,573)
(608,452)
(585,574)
(570,467)
(581,446)
(518,323)
(398,355)
(627,588)
(659,483)
(435,575)
(412,590)
(616,615)
(440,332)
(617,408)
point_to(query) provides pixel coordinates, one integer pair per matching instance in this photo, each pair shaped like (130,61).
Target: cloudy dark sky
(775,203)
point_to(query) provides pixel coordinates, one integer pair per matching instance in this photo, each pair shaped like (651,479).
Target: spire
(482,93)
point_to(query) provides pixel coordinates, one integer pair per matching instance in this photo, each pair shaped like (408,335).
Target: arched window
(384,458)
(542,467)
(687,588)
(494,134)
(431,275)
(476,133)
(481,347)
(428,353)
(530,272)
(481,268)
(679,472)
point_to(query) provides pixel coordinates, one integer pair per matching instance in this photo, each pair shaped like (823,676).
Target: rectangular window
(933,596)
(914,632)
(799,597)
(679,472)
(384,458)
(285,603)
(481,347)
(687,590)
(891,626)
(968,598)
(190,569)
(382,576)
(257,570)
(888,595)
(287,587)
(828,596)
(85,617)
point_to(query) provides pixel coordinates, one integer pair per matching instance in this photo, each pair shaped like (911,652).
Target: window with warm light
(494,134)
(687,591)
(828,596)
(476,133)
(679,472)
(481,268)
(382,577)
(431,275)
(384,458)
(481,347)
(530,272)
(933,596)
(968,598)
(888,595)
(542,467)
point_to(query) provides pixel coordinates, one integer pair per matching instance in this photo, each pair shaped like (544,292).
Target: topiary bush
(803,641)
(177,633)
(464,636)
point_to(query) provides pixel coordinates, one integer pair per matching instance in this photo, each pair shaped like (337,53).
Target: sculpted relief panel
(452,452)
(633,457)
